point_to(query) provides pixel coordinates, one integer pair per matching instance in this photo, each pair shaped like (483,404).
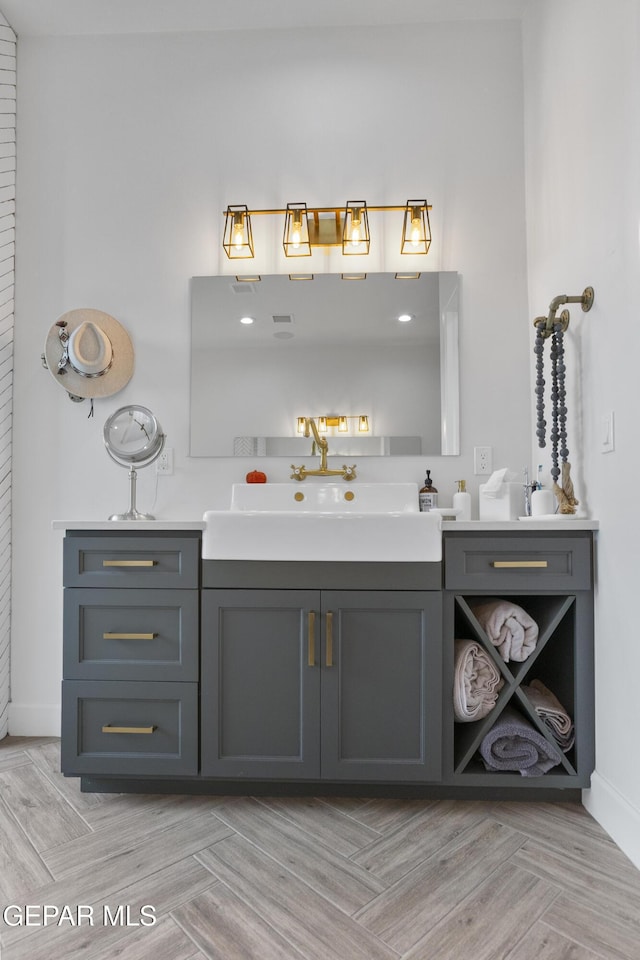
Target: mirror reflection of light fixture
(309,227)
(238,237)
(355,234)
(334,421)
(296,231)
(416,232)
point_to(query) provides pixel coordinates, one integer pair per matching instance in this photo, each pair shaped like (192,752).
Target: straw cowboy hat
(89,354)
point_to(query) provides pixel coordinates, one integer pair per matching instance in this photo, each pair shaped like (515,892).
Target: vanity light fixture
(416,232)
(308,227)
(296,231)
(238,236)
(356,239)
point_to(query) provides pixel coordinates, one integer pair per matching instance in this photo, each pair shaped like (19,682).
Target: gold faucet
(300,473)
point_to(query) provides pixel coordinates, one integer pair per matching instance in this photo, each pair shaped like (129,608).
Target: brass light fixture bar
(308,227)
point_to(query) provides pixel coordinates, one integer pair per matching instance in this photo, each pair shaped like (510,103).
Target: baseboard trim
(42,720)
(615,814)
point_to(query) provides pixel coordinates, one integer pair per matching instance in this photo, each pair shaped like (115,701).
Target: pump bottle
(462,501)
(428,496)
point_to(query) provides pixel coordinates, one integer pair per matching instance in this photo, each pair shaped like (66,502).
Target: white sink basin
(328,521)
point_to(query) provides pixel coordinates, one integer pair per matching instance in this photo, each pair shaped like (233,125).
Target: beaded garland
(558,433)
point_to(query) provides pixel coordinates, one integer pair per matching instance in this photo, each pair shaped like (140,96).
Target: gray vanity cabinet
(131,625)
(308,684)
(550,576)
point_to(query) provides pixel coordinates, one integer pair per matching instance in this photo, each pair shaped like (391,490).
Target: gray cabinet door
(381,685)
(260,683)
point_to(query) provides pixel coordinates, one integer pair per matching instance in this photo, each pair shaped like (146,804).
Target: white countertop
(530,523)
(575,523)
(132,525)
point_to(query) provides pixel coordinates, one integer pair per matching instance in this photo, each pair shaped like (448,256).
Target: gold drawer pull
(518,563)
(129,636)
(329,638)
(129,563)
(109,729)
(311,657)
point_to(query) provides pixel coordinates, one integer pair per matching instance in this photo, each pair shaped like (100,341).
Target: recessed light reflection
(246,320)
(404,318)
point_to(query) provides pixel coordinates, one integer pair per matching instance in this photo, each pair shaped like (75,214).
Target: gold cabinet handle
(129,563)
(329,638)
(502,564)
(129,636)
(109,729)
(311,653)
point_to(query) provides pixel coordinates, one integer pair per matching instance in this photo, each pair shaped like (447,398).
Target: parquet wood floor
(300,879)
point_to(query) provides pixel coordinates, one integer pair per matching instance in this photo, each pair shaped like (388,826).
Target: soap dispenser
(462,501)
(428,496)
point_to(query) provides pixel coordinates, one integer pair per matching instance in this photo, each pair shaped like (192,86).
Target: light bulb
(415,232)
(355,233)
(296,234)
(238,231)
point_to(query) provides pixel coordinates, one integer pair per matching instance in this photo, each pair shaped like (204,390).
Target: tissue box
(507,505)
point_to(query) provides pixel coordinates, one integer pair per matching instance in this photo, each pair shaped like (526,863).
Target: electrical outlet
(481,460)
(164,463)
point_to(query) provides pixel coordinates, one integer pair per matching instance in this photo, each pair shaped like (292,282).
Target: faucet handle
(299,473)
(349,473)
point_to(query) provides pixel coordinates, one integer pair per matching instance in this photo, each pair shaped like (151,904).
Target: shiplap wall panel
(7,272)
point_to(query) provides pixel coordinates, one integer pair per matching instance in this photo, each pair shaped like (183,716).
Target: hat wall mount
(89,353)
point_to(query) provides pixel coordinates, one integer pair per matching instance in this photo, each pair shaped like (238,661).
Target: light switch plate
(607,437)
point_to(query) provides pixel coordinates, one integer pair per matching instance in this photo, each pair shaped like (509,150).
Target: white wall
(130,147)
(7,276)
(582,84)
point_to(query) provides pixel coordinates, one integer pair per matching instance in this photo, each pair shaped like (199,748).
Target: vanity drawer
(518,563)
(131,634)
(129,728)
(162,562)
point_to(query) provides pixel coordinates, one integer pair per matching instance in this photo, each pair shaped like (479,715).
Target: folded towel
(514,744)
(509,627)
(551,712)
(476,681)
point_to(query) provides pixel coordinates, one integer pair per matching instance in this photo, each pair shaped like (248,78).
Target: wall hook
(585,299)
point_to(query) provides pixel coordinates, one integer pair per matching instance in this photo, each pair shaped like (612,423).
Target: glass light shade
(363,424)
(322,424)
(295,239)
(342,425)
(355,234)
(416,231)
(238,236)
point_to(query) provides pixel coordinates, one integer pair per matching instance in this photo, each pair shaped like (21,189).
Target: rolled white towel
(509,627)
(476,681)
(551,712)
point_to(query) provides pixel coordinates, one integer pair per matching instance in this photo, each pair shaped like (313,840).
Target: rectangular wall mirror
(325,347)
